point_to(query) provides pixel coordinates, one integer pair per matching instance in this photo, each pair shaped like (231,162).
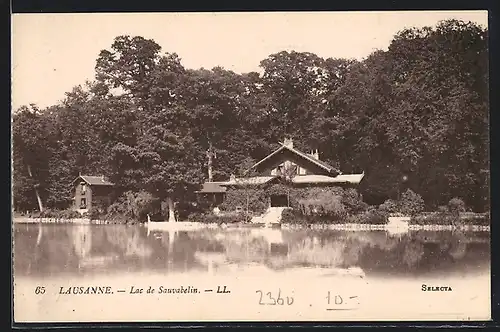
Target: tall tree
(419,110)
(29,142)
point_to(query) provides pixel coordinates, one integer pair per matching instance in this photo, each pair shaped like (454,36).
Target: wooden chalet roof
(92,180)
(325,173)
(256,180)
(299,179)
(301,154)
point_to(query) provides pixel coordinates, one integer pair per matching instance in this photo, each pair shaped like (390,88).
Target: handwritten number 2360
(288,300)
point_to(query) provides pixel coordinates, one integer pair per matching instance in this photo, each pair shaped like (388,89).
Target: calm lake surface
(42,251)
(378,275)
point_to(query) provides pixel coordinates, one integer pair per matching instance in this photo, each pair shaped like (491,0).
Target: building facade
(284,165)
(91,192)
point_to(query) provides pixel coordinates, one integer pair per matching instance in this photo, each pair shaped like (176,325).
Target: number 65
(40,290)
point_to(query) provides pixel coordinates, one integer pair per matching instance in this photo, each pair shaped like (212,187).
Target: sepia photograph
(250,167)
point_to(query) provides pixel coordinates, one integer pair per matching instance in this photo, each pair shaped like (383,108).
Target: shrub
(141,204)
(295,196)
(209,218)
(70,214)
(291,216)
(185,208)
(436,218)
(482,219)
(132,205)
(450,218)
(456,205)
(324,203)
(372,217)
(277,189)
(389,206)
(411,203)
(60,214)
(256,199)
(94,214)
(118,208)
(353,202)
(443,209)
(47,213)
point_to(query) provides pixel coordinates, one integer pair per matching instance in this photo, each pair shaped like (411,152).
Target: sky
(52,53)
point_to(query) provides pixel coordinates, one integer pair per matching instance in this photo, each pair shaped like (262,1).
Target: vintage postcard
(251,166)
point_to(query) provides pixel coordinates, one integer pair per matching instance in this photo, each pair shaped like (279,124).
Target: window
(83,203)
(83,188)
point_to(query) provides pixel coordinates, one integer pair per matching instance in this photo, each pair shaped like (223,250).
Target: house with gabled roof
(212,192)
(91,192)
(288,164)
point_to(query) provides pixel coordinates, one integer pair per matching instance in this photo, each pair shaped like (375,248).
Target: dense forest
(417,111)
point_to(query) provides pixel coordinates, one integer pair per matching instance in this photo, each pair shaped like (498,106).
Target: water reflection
(87,249)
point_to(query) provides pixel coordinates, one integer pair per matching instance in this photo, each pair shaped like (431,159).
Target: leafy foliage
(456,205)
(419,109)
(209,218)
(133,205)
(60,214)
(409,204)
(255,199)
(389,206)
(353,202)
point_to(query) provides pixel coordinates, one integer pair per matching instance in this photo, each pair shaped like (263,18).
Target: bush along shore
(429,221)
(47,220)
(372,227)
(375,220)
(331,208)
(210,220)
(69,217)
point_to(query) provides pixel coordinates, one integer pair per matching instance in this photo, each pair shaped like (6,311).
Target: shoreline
(385,227)
(345,226)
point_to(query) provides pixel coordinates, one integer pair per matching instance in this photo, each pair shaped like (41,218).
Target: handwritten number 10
(337,299)
(274,301)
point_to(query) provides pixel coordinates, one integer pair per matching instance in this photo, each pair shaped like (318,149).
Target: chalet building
(91,191)
(299,168)
(212,192)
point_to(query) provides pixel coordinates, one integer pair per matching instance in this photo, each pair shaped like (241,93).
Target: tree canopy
(418,109)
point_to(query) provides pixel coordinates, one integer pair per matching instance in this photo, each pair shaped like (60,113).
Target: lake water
(379,266)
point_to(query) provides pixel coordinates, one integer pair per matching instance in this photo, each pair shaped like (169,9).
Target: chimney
(314,154)
(288,143)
